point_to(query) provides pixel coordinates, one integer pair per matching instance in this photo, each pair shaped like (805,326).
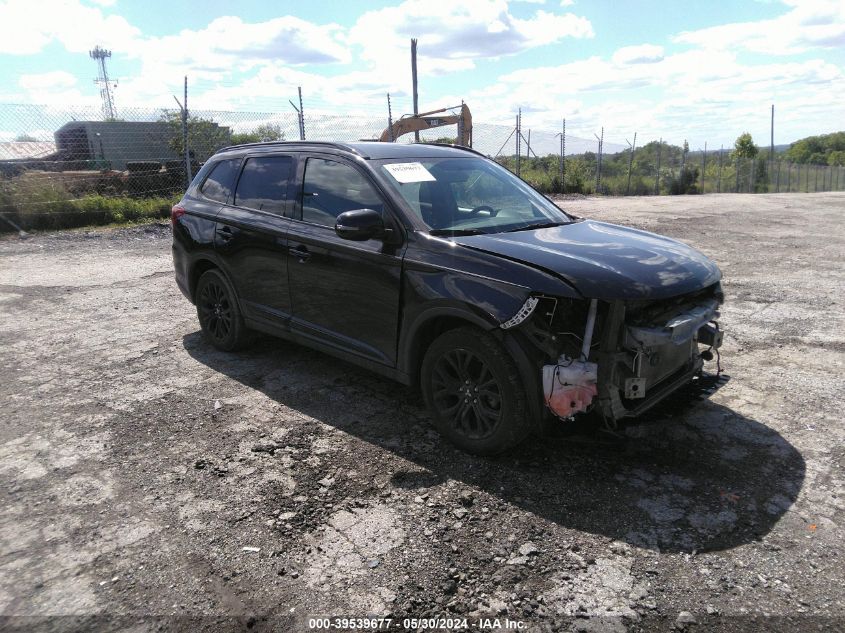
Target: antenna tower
(100,55)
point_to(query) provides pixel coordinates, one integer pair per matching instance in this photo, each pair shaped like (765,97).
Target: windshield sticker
(409,172)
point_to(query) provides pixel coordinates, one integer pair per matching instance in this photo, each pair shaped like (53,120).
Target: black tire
(218,313)
(474,391)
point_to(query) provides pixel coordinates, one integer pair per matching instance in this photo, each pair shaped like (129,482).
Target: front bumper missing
(665,388)
(678,330)
(640,366)
(630,364)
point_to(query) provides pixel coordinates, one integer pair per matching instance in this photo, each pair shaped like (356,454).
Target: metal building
(112,144)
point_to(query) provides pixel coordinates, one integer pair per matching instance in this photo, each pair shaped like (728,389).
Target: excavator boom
(428,120)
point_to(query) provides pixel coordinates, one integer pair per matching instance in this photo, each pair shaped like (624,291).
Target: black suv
(434,264)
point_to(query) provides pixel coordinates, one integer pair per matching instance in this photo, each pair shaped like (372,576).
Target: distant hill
(764,150)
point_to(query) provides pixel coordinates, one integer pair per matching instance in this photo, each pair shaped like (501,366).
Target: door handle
(301,253)
(225,233)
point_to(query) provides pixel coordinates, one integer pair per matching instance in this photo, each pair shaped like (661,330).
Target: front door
(344,294)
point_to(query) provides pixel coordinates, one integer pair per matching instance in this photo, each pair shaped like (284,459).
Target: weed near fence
(46,205)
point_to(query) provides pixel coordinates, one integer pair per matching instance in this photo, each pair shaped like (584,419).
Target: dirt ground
(152,483)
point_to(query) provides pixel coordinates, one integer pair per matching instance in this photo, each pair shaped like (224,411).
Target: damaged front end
(619,358)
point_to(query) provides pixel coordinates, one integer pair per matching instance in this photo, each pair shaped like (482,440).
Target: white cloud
(810,24)
(56,87)
(451,35)
(698,94)
(104,3)
(287,39)
(677,95)
(567,3)
(26,29)
(226,41)
(642,54)
(216,57)
(53,80)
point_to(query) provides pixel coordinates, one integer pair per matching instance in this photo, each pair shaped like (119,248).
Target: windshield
(469,195)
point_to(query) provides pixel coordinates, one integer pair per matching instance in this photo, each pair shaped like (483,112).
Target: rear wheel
(218,313)
(474,392)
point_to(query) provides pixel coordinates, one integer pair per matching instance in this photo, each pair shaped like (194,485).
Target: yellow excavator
(428,120)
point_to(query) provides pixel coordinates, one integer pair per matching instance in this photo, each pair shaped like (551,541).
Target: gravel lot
(140,467)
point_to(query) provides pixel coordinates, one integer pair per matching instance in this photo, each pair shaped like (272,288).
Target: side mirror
(360,225)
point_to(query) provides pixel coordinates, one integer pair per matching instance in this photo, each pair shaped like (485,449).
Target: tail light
(176,212)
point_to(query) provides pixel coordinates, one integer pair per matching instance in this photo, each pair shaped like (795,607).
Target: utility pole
(737,174)
(598,164)
(518,143)
(772,148)
(185,133)
(751,184)
(657,177)
(414,84)
(719,181)
(630,163)
(389,119)
(183,109)
(703,165)
(563,157)
(300,115)
(100,55)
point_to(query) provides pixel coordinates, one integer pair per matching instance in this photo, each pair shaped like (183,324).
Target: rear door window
(330,188)
(221,179)
(263,183)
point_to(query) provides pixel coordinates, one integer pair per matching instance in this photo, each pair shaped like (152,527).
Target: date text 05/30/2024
(415,624)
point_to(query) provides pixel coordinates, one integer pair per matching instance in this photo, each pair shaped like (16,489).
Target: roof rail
(341,146)
(453,146)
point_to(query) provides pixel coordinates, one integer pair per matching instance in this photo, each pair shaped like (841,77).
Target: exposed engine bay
(619,358)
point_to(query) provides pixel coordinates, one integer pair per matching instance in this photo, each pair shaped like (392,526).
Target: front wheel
(218,312)
(474,392)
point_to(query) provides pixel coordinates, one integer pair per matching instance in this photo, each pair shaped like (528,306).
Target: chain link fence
(68,166)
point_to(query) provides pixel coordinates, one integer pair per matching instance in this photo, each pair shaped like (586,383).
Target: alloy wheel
(216,310)
(466,393)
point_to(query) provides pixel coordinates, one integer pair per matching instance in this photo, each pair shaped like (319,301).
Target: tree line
(661,168)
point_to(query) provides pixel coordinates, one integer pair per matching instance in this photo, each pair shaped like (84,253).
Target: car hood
(605,261)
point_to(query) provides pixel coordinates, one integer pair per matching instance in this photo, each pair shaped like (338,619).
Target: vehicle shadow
(700,477)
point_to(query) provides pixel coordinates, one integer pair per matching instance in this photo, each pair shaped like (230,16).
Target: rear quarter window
(218,185)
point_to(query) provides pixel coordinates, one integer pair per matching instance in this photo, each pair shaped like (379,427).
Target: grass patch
(49,206)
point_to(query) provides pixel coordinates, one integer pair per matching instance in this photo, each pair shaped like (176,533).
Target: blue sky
(703,71)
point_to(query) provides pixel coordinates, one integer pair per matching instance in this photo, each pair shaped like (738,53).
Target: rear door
(252,237)
(344,294)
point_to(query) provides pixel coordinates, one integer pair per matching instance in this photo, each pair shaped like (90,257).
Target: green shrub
(46,206)
(685,182)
